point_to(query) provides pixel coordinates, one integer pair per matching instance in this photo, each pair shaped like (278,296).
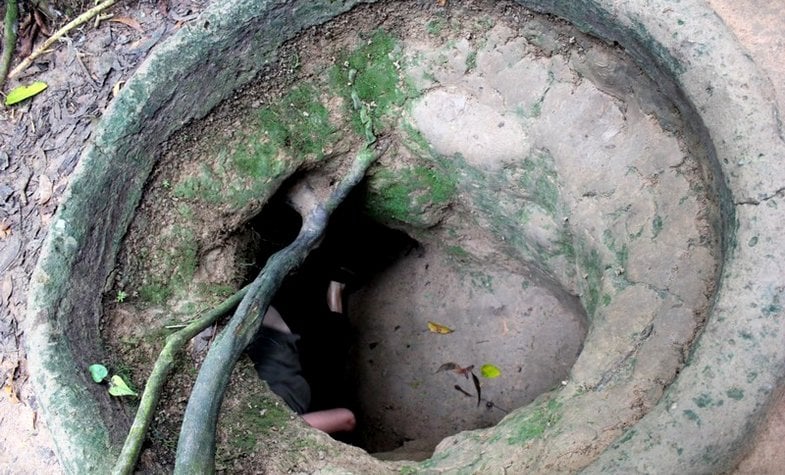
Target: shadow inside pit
(354,249)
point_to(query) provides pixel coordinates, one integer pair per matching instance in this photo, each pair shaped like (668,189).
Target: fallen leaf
(98,372)
(441,3)
(20,93)
(9,390)
(463,391)
(128,22)
(477,387)
(440,329)
(116,88)
(44,189)
(490,371)
(117,387)
(6,289)
(456,368)
(448,367)
(5,230)
(40,20)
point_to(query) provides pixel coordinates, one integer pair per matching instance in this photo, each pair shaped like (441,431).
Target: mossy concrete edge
(738,361)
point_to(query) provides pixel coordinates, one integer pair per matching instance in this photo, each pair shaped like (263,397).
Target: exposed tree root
(152,389)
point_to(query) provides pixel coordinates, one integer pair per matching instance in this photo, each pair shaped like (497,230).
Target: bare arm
(331,420)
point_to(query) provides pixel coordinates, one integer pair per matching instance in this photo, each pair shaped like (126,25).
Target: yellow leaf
(490,371)
(10,392)
(437,328)
(128,22)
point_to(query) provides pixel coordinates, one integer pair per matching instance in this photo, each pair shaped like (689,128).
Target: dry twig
(78,21)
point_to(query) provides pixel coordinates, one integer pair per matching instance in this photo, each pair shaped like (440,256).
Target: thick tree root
(196,447)
(152,389)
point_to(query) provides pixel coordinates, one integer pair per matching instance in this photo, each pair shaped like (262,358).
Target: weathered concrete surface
(758,27)
(739,120)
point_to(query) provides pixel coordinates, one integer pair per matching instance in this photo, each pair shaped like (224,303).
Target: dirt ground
(42,140)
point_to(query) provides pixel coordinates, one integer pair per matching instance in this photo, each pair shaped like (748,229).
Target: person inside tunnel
(276,354)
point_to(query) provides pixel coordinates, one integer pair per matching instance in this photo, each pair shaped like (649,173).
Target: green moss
(704,400)
(405,195)
(626,437)
(298,121)
(182,258)
(177,260)
(185,211)
(258,416)
(540,180)
(691,415)
(773,308)
(416,141)
(371,73)
(457,252)
(204,187)
(536,109)
(591,285)
(656,226)
(156,293)
(219,291)
(257,160)
(435,26)
(471,61)
(566,247)
(735,393)
(482,280)
(533,425)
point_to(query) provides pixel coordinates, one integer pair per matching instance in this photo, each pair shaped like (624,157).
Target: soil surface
(42,141)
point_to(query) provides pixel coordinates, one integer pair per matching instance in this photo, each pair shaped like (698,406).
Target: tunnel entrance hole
(384,362)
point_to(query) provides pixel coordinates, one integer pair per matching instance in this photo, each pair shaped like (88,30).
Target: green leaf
(21,93)
(117,387)
(98,372)
(490,371)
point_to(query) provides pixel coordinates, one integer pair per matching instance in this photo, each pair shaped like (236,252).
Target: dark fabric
(277,361)
(325,346)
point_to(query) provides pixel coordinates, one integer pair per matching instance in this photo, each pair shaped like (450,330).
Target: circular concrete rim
(688,50)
